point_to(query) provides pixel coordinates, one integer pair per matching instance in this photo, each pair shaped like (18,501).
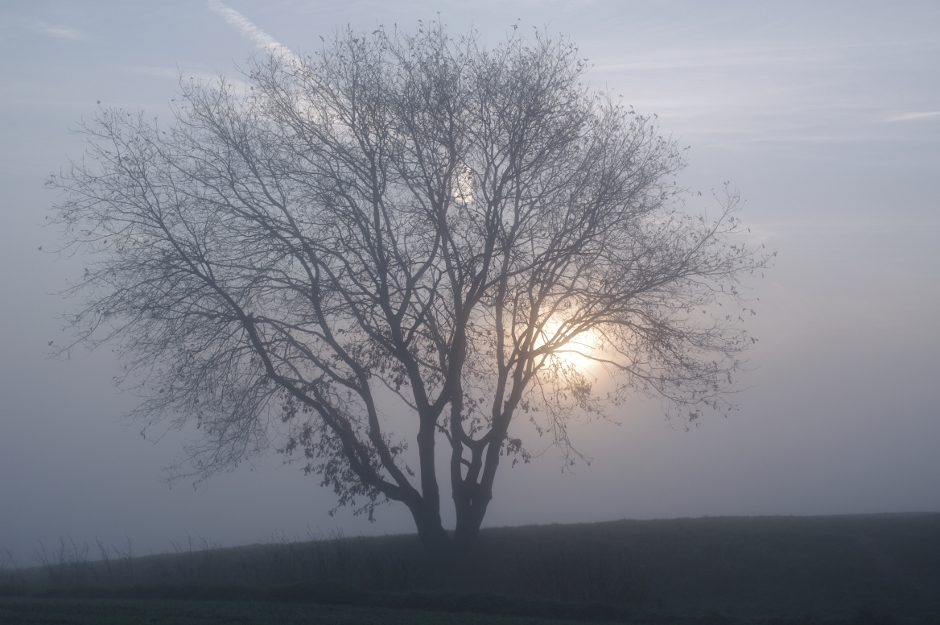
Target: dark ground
(863,570)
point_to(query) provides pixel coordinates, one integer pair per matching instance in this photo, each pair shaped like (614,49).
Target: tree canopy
(404,232)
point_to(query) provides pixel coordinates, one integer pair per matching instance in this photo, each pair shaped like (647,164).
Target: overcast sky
(826,117)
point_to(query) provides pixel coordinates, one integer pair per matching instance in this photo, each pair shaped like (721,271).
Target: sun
(579,352)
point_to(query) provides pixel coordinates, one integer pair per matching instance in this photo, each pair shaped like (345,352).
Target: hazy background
(825,116)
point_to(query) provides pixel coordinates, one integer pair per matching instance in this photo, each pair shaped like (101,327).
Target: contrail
(262,39)
(914,116)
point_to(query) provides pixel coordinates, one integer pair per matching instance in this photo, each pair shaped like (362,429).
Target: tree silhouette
(405,231)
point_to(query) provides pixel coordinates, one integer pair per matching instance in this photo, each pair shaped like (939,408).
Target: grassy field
(64,611)
(134,612)
(864,570)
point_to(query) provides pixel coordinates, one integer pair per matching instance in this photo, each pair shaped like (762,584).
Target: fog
(826,118)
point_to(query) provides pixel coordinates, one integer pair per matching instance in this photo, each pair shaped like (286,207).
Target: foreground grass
(862,569)
(71,611)
(36,611)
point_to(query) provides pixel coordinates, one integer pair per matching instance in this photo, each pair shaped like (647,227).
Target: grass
(133,612)
(864,570)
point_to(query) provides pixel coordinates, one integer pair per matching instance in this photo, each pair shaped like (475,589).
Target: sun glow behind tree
(583,351)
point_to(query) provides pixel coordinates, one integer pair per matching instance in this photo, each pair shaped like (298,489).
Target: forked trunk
(470,513)
(451,557)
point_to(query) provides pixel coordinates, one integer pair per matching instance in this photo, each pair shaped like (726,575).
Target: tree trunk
(470,513)
(438,546)
(452,559)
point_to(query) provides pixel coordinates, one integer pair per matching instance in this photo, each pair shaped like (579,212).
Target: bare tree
(407,230)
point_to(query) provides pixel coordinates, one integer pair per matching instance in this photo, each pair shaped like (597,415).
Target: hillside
(743,567)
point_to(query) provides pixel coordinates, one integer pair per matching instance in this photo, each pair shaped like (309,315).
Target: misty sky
(826,117)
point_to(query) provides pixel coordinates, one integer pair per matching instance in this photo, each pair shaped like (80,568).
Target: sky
(825,116)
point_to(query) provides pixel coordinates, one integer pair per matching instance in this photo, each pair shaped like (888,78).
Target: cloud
(261,39)
(907,117)
(60,32)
